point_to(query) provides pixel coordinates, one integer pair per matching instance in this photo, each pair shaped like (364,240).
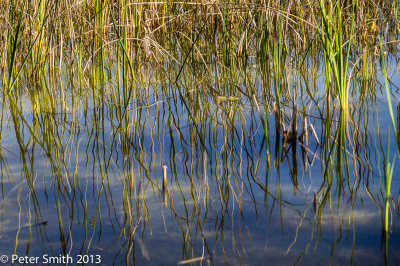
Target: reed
(389,98)
(336,56)
(110,92)
(389,167)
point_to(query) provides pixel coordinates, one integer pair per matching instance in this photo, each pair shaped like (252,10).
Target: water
(83,185)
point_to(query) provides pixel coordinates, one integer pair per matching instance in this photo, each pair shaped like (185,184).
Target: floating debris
(182,262)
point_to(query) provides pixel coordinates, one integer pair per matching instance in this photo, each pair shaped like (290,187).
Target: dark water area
(88,184)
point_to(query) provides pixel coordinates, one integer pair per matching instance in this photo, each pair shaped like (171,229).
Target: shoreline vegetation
(200,102)
(56,50)
(39,36)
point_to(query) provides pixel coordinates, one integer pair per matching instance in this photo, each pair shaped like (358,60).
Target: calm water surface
(232,196)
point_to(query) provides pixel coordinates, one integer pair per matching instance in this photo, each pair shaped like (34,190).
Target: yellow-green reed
(336,56)
(126,81)
(388,173)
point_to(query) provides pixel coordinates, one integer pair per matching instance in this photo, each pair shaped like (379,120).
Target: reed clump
(141,85)
(41,32)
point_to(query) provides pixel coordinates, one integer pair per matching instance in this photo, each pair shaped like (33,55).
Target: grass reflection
(195,133)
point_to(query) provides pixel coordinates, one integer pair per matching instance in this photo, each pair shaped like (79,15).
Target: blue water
(224,201)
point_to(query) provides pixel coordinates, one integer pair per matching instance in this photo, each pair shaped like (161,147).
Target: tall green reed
(389,98)
(385,213)
(336,56)
(388,173)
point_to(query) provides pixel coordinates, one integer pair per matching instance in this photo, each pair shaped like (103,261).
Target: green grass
(336,56)
(192,85)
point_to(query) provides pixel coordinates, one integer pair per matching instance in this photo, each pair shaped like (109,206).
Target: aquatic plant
(336,56)
(102,97)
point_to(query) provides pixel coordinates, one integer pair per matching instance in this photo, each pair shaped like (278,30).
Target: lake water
(88,185)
